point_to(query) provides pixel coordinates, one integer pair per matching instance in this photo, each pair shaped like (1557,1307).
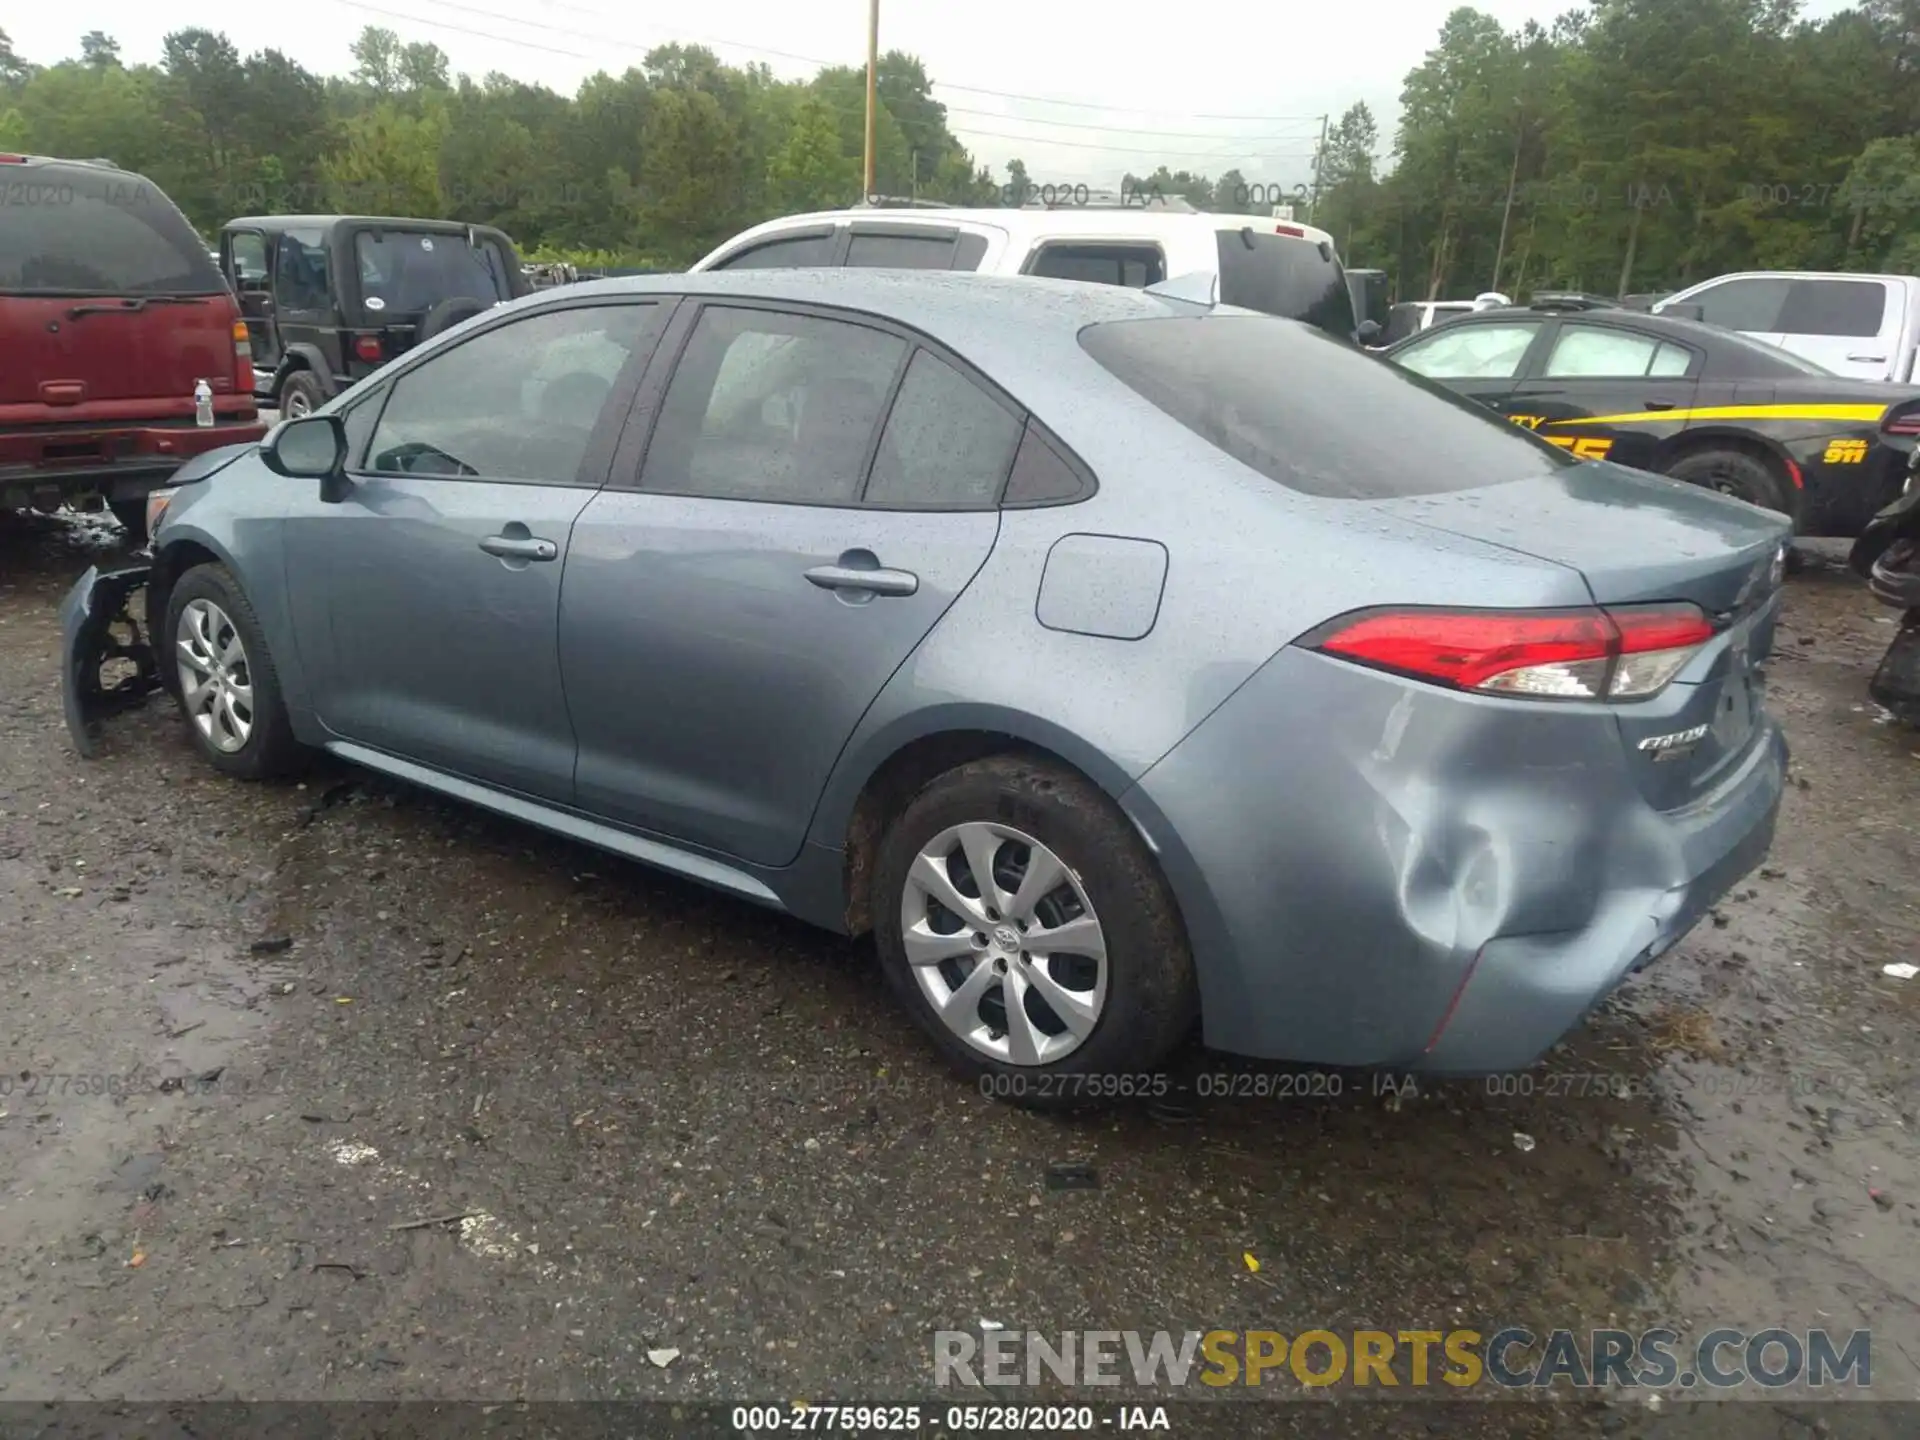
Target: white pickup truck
(1866,327)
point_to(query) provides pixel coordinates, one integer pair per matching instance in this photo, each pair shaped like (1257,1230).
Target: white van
(1280,267)
(1866,327)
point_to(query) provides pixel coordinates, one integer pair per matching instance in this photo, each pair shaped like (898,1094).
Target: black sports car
(1685,399)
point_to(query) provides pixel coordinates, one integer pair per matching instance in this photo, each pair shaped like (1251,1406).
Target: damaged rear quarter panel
(1343,842)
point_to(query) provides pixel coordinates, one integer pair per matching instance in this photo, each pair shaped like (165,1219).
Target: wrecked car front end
(108,662)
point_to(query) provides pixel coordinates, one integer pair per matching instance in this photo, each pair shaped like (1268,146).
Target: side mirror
(314,447)
(1368,332)
(1686,311)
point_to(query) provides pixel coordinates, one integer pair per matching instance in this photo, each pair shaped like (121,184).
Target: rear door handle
(1868,359)
(1659,404)
(877,582)
(513,547)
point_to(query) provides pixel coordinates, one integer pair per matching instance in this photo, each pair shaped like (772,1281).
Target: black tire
(270,749)
(447,314)
(1151,1000)
(301,393)
(1739,473)
(132,515)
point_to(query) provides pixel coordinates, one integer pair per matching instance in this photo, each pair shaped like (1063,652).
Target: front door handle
(1868,359)
(1659,404)
(518,547)
(874,582)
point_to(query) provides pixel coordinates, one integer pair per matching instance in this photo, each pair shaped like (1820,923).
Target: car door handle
(877,582)
(1868,359)
(513,547)
(1659,404)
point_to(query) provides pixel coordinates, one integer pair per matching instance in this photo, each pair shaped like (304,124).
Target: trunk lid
(1637,538)
(110,306)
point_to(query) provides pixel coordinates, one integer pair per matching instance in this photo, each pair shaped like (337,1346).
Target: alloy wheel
(216,681)
(1004,943)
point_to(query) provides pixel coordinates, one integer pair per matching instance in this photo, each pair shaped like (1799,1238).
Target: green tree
(99,49)
(810,172)
(388,163)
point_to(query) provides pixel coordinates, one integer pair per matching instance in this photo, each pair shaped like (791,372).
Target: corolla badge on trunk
(1672,746)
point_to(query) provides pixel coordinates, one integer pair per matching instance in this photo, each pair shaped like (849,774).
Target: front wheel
(1022,921)
(301,393)
(228,688)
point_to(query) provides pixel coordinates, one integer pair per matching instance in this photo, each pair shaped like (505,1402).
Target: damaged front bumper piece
(102,626)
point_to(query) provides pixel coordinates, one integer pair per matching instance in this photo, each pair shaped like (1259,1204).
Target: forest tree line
(1630,145)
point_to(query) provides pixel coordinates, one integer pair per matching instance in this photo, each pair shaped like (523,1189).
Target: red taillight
(1902,422)
(1628,653)
(367,347)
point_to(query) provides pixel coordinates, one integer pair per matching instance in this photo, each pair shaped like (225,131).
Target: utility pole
(1319,156)
(1513,181)
(873,81)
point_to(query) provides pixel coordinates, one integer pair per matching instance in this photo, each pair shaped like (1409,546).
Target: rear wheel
(1739,473)
(301,393)
(1022,921)
(228,688)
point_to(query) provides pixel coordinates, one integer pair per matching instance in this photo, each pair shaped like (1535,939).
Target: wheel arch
(308,357)
(877,782)
(1770,452)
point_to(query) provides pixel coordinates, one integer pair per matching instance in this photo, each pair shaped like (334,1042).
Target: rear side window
(1318,416)
(947,445)
(75,231)
(900,252)
(796,250)
(1134,266)
(1833,307)
(1287,276)
(1595,352)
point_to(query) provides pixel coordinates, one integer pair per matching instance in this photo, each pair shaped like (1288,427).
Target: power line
(841,64)
(1159,150)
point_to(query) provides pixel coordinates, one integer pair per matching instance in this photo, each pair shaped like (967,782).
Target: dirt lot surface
(250,1032)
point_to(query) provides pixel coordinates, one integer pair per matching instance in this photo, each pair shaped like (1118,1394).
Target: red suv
(112,315)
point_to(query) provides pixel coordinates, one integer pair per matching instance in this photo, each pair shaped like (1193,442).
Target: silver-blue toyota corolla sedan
(1119,661)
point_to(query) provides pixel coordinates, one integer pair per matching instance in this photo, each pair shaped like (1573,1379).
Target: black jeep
(328,299)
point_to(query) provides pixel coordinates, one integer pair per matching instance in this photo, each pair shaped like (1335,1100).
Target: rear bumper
(1375,872)
(100,604)
(1838,500)
(116,463)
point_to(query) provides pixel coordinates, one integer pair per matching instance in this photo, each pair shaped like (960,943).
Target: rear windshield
(1317,415)
(1287,276)
(79,231)
(407,272)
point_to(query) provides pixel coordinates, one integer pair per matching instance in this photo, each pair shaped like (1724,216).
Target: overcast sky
(1080,92)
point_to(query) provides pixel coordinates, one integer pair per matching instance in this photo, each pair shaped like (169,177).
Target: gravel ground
(248,1031)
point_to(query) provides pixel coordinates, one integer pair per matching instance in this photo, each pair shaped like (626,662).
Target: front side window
(518,402)
(249,251)
(948,444)
(1134,266)
(794,251)
(1470,352)
(770,406)
(1750,304)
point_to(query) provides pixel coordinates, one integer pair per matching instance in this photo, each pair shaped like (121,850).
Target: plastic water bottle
(202,403)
